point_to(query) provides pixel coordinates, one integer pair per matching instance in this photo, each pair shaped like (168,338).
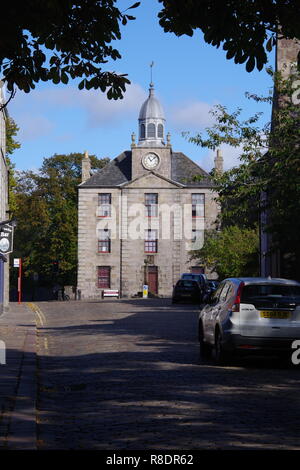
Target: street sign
(16,262)
(6,238)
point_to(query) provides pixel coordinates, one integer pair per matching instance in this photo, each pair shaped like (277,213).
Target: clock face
(150,161)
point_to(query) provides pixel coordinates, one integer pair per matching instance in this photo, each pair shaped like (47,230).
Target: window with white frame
(197,239)
(198,200)
(104,241)
(151,204)
(104,204)
(151,241)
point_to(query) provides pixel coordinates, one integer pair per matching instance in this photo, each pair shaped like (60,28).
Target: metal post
(20,282)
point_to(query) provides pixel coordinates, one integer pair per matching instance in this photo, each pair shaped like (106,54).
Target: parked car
(250,315)
(201,279)
(212,285)
(187,290)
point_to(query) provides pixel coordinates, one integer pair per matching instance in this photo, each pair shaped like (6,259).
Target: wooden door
(153,279)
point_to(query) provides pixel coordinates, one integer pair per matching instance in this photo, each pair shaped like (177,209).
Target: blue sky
(189,75)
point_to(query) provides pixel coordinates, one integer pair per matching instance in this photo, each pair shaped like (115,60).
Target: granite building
(4,268)
(141,215)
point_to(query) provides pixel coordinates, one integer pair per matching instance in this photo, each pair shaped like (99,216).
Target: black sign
(6,238)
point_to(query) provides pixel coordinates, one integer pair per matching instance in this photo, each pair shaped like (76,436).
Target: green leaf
(250,64)
(135,5)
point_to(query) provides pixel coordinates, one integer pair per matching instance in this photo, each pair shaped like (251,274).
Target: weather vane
(151,67)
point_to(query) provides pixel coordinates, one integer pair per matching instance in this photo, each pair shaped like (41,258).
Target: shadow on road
(127,375)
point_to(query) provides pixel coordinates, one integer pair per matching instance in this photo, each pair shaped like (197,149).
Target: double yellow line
(40,316)
(40,320)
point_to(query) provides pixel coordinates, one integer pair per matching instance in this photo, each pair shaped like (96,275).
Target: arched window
(160,131)
(143,131)
(151,130)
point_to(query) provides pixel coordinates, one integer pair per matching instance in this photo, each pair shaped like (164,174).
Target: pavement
(18,377)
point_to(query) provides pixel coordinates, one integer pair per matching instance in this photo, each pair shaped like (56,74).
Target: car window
(225,292)
(216,295)
(187,283)
(256,291)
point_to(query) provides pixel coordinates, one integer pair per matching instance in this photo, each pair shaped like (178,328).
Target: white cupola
(151,122)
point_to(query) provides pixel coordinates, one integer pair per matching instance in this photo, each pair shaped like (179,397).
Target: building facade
(272,257)
(142,214)
(4,268)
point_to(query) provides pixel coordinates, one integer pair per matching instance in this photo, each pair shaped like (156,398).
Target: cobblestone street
(126,374)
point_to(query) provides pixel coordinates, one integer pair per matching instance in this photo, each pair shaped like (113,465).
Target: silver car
(246,315)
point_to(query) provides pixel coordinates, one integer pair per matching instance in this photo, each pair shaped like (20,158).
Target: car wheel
(221,357)
(205,349)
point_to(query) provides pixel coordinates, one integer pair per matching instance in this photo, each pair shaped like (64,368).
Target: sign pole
(20,282)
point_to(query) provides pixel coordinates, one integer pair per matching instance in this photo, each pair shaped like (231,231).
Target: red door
(153,279)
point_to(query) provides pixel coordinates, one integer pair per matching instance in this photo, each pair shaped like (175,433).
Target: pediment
(152,180)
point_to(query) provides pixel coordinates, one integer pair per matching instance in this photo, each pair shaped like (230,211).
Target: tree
(60,39)
(47,217)
(246,28)
(12,144)
(231,252)
(269,166)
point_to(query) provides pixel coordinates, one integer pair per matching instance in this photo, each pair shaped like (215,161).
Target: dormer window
(151,131)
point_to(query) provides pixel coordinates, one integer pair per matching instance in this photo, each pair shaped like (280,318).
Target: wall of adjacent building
(4,267)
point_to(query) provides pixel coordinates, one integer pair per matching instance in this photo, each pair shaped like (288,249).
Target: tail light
(237,300)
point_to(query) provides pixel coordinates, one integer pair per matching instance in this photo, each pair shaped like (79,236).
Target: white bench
(110,293)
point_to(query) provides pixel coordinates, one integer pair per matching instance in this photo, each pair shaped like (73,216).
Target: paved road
(126,374)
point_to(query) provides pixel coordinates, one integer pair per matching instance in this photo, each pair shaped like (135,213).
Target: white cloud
(49,105)
(191,115)
(102,111)
(33,126)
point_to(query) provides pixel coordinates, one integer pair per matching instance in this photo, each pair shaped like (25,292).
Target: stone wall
(127,225)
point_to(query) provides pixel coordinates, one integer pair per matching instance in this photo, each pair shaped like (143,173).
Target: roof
(118,172)
(184,171)
(151,108)
(263,280)
(115,173)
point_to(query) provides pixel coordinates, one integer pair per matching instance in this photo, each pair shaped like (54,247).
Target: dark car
(202,281)
(212,285)
(187,290)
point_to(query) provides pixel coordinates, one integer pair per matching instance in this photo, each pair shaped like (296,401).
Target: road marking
(41,321)
(41,317)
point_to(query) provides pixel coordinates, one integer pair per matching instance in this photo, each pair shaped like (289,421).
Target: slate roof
(118,171)
(184,170)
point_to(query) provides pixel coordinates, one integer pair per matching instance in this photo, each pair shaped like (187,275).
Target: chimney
(85,167)
(219,162)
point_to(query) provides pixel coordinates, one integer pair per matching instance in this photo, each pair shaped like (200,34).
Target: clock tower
(152,152)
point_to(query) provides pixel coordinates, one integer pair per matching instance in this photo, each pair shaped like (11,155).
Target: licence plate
(274,314)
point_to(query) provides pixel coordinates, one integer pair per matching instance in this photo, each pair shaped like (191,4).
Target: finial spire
(151,77)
